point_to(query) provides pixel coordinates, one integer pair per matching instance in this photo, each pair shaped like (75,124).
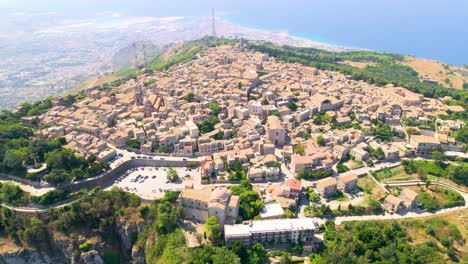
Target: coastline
(229,26)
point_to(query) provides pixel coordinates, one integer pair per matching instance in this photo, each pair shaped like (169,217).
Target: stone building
(348,183)
(276,132)
(327,187)
(424,145)
(199,205)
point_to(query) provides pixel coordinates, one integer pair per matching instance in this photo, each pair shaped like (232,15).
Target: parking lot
(151,182)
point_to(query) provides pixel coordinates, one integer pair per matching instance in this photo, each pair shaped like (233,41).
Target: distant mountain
(125,57)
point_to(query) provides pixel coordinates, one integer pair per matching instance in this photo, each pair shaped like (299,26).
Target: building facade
(276,132)
(199,205)
(292,230)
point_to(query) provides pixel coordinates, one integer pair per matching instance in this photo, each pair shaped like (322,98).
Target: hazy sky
(428,28)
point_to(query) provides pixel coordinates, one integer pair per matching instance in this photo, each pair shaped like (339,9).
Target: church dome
(221,195)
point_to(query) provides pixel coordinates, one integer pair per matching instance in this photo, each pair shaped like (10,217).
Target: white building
(255,108)
(273,230)
(272,211)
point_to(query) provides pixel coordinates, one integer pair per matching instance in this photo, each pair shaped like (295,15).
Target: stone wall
(110,176)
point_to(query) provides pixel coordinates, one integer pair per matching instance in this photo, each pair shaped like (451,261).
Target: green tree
(286,259)
(213,230)
(257,254)
(190,97)
(437,156)
(12,160)
(299,148)
(340,167)
(134,143)
(428,201)
(212,254)
(215,109)
(12,194)
(172,175)
(382,131)
(292,106)
(35,232)
(321,140)
(207,125)
(250,202)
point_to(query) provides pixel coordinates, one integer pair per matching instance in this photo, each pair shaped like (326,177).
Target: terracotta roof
(348,177)
(294,184)
(326,182)
(408,194)
(393,199)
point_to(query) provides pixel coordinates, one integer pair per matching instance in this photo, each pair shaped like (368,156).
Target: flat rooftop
(267,226)
(272,210)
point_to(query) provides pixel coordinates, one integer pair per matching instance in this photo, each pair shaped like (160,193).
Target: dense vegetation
(97,212)
(207,125)
(12,194)
(382,131)
(457,172)
(313,175)
(186,54)
(385,70)
(36,108)
(19,149)
(236,173)
(447,198)
(51,197)
(387,242)
(373,207)
(134,143)
(63,166)
(250,202)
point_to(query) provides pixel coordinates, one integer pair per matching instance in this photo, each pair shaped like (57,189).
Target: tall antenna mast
(145,58)
(213,23)
(135,60)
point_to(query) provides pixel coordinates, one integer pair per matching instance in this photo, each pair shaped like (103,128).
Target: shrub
(86,246)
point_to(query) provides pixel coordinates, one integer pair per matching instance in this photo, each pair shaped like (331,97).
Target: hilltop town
(270,150)
(238,104)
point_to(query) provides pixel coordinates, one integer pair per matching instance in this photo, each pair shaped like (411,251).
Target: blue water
(436,29)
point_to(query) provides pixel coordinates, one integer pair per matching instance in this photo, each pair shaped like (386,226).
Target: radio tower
(135,57)
(137,90)
(145,58)
(213,23)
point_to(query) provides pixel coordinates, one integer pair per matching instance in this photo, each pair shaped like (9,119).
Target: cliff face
(30,256)
(127,231)
(65,249)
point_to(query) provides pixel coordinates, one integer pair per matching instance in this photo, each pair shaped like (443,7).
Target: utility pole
(213,23)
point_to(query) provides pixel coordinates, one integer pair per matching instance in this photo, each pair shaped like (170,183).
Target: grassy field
(399,174)
(444,197)
(394,174)
(434,70)
(371,188)
(447,231)
(359,64)
(93,82)
(437,71)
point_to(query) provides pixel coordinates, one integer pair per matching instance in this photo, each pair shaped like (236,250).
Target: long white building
(274,230)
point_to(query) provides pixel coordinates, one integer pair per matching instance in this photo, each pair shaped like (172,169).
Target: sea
(434,29)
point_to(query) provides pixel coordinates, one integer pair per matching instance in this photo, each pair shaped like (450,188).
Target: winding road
(126,155)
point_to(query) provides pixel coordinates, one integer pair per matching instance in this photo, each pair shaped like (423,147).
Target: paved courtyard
(151,182)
